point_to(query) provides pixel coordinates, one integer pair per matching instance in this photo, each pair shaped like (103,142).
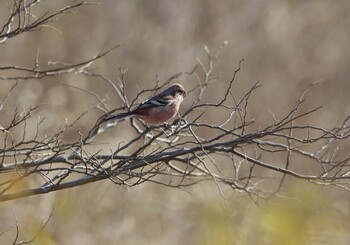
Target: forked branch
(191,150)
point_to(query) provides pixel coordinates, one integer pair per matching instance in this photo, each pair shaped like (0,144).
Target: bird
(155,110)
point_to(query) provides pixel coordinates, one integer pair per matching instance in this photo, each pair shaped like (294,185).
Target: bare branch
(232,150)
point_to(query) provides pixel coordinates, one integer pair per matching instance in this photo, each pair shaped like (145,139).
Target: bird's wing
(155,102)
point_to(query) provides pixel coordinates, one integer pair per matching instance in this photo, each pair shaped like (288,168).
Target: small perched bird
(155,110)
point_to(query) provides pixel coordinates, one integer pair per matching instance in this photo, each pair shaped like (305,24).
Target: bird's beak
(184,94)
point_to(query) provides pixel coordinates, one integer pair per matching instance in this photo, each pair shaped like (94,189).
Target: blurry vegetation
(287,45)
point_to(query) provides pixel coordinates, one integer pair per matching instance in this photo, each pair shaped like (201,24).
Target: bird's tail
(107,122)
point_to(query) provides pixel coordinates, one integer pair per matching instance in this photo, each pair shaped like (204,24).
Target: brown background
(287,45)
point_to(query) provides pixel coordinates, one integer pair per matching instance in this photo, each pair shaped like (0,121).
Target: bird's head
(177,91)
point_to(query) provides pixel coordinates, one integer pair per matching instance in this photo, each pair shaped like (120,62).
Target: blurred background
(286,44)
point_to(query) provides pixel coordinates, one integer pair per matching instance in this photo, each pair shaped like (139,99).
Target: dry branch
(231,153)
(178,155)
